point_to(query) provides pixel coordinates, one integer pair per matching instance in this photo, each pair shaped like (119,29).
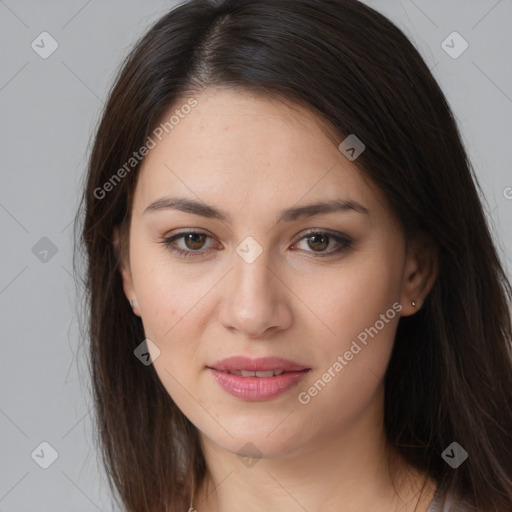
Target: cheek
(356,296)
(166,293)
(169,308)
(361,308)
(168,302)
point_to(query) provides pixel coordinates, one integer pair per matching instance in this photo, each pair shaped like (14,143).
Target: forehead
(236,143)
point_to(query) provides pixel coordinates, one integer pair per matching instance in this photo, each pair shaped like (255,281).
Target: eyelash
(341,239)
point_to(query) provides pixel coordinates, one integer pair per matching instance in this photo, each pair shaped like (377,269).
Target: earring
(131,303)
(413,304)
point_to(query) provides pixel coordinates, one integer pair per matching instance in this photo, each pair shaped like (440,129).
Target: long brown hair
(450,374)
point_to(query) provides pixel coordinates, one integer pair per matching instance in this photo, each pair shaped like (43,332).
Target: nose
(255,300)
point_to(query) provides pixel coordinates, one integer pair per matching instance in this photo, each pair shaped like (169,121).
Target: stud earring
(131,303)
(413,304)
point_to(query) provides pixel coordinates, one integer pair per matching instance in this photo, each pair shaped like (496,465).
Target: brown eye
(318,241)
(194,241)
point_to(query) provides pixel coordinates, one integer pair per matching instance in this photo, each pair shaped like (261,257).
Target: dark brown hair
(450,374)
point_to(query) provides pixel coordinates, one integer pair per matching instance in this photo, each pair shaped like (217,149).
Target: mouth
(257,379)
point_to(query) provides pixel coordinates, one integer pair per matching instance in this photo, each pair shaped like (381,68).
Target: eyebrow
(288,215)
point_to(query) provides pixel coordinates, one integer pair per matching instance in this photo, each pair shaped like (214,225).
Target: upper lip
(258,364)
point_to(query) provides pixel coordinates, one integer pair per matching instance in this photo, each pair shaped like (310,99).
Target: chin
(257,442)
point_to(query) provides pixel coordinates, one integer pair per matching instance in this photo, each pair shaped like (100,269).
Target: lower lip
(256,388)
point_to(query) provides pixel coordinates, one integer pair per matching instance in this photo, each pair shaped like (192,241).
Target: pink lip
(257,388)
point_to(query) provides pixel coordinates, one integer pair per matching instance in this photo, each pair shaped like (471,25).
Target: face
(248,271)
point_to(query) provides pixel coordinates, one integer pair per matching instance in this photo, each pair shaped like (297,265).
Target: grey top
(449,504)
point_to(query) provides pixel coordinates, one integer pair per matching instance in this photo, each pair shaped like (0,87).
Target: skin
(253,156)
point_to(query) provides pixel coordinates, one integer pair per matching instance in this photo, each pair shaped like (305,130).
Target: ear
(124,268)
(420,274)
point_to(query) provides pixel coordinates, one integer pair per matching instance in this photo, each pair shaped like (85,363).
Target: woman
(295,301)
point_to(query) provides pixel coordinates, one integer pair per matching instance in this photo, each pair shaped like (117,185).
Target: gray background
(49,108)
